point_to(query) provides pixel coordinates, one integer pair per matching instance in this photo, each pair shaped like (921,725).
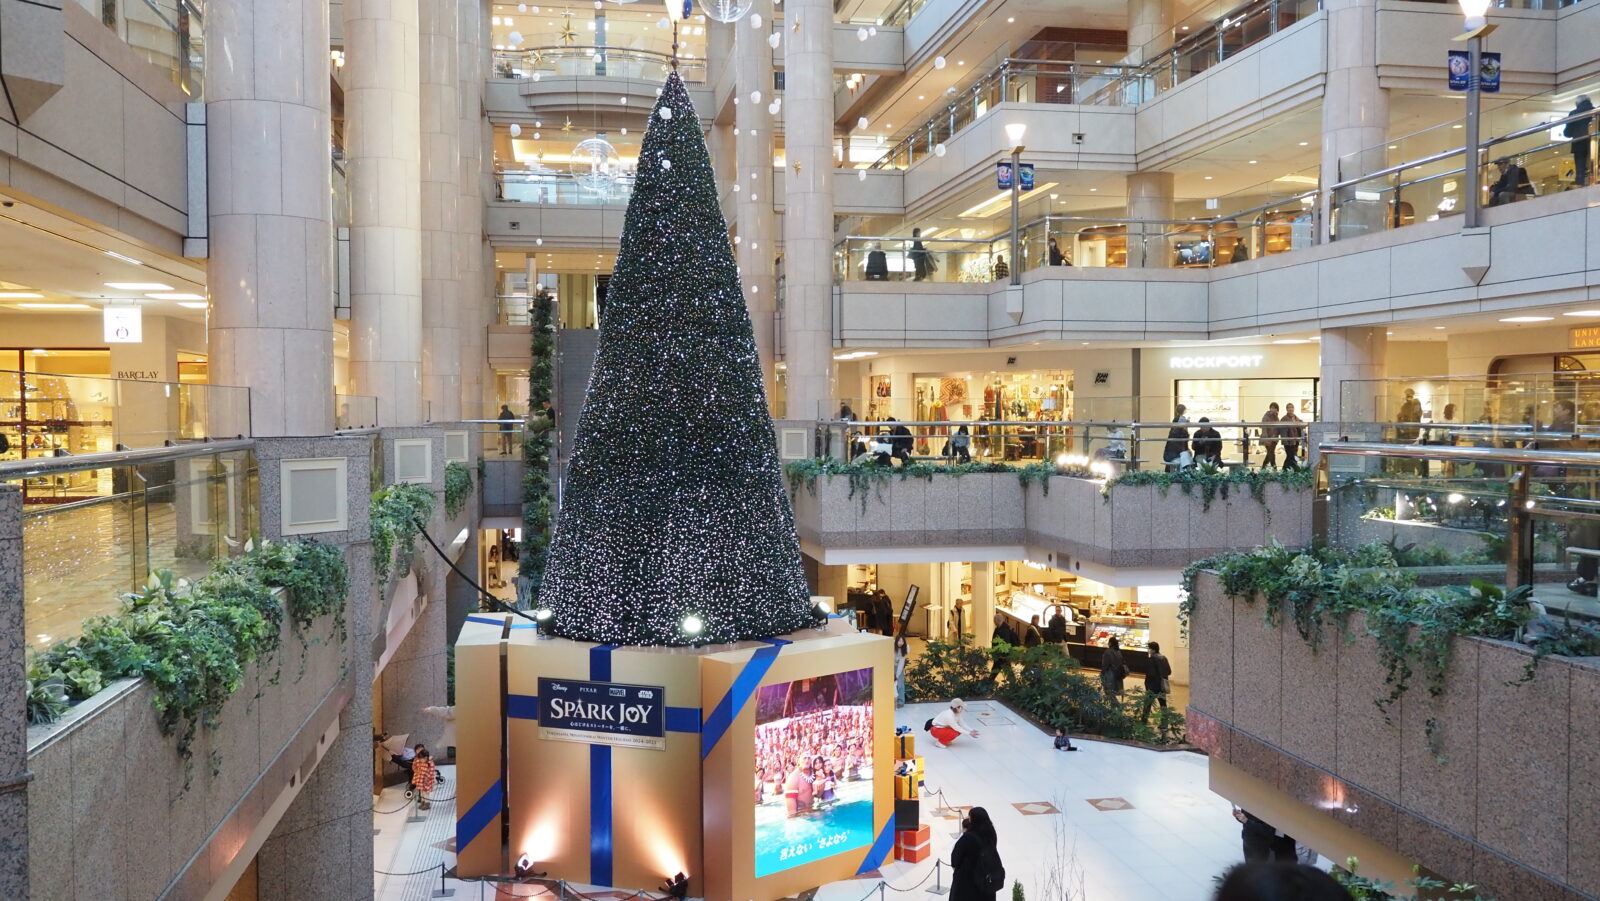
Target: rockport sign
(602,713)
(1218,361)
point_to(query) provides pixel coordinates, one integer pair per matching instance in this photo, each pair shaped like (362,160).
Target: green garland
(396,510)
(867,478)
(1413,626)
(536,448)
(193,640)
(457,487)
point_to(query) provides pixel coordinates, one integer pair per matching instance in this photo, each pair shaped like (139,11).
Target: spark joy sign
(603,713)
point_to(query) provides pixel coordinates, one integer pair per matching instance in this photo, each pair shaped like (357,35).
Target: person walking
(902,653)
(976,870)
(507,418)
(948,725)
(882,613)
(1001,270)
(1290,436)
(1055,631)
(1157,681)
(1032,637)
(1269,435)
(922,262)
(1113,671)
(1578,130)
(424,776)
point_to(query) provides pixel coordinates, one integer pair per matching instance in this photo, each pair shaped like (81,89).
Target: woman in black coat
(976,845)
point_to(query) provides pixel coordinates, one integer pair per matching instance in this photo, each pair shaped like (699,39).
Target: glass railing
(1459,514)
(44,415)
(1471,410)
(560,188)
(1200,43)
(501,436)
(589,60)
(512,309)
(167,33)
(95,528)
(355,411)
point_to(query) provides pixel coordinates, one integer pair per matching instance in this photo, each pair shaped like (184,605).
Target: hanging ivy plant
(396,511)
(537,441)
(457,487)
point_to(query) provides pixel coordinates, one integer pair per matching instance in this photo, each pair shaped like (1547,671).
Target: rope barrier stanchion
(938,882)
(441,891)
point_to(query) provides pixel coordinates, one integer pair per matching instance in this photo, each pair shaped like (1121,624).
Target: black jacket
(1177,442)
(1207,445)
(966,865)
(1157,674)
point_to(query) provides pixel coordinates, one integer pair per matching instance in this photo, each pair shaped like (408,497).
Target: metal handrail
(1453,452)
(34,467)
(1461,151)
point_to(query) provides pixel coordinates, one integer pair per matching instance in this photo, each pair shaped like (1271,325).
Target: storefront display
(44,415)
(1244,400)
(1040,396)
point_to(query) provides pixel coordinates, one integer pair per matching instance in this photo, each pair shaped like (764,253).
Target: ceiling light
(55,306)
(1457,125)
(1292,341)
(1438,328)
(193,305)
(1305,143)
(1208,178)
(1567,313)
(1527,319)
(18,295)
(1011,20)
(176,296)
(1252,162)
(123,257)
(1015,131)
(138,286)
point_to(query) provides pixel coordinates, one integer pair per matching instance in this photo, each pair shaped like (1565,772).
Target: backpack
(992,876)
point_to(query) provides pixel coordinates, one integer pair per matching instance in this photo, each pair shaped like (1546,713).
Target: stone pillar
(981,621)
(471,64)
(752,172)
(1148,20)
(441,177)
(14,775)
(1150,197)
(834,582)
(808,211)
(271,211)
(383,137)
(1349,354)
(1355,113)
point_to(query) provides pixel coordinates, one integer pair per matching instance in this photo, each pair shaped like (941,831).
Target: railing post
(1519,532)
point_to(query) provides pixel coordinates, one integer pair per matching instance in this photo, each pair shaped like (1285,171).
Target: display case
(1131,632)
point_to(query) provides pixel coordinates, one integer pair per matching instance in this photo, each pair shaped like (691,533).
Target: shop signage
(1488,71)
(905,609)
(603,713)
(124,324)
(1219,361)
(1584,337)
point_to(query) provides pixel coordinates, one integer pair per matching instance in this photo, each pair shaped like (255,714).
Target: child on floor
(1063,743)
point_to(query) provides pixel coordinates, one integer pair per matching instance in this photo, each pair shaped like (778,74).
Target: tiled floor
(1128,824)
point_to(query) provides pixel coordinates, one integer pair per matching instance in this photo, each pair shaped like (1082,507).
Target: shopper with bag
(1113,671)
(977,872)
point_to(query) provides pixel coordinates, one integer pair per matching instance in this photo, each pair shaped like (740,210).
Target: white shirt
(951,717)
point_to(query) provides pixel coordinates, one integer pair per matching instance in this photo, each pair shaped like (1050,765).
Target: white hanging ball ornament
(736,131)
(515,129)
(737,239)
(536,136)
(537,76)
(938,62)
(755,289)
(538,242)
(754,198)
(735,101)
(514,37)
(666,113)
(666,164)
(538,123)
(755,96)
(752,131)
(872,31)
(774,39)
(861,175)
(938,150)
(598,5)
(623,101)
(664,23)
(754,246)
(522,7)
(736,189)
(861,33)
(726,10)
(755,20)
(862,122)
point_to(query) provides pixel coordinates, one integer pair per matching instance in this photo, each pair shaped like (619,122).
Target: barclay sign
(605,713)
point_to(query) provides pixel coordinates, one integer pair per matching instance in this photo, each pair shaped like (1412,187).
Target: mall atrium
(456,448)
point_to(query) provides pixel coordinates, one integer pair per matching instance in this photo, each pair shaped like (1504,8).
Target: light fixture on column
(1014,133)
(1477,27)
(1475,12)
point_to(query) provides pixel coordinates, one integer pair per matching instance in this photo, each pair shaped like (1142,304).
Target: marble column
(981,621)
(1150,197)
(808,207)
(14,775)
(441,177)
(271,211)
(756,220)
(1351,358)
(383,138)
(1148,20)
(1355,113)
(472,65)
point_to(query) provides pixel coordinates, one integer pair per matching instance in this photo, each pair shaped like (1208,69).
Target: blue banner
(602,713)
(1027,176)
(1488,71)
(1002,176)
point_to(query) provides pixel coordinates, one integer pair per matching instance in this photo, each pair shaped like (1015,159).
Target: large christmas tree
(674,507)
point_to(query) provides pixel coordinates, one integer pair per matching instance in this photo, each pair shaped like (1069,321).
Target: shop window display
(56,401)
(1040,396)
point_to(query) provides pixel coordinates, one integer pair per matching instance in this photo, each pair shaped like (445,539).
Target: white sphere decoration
(772,108)
(537,75)
(664,23)
(536,136)
(938,62)
(861,175)
(736,189)
(862,122)
(595,164)
(755,20)
(666,164)
(755,96)
(737,239)
(515,129)
(522,7)
(861,33)
(538,242)
(752,131)
(938,150)
(736,131)
(666,113)
(754,246)
(514,37)
(726,10)
(872,31)
(774,39)
(754,198)
(623,101)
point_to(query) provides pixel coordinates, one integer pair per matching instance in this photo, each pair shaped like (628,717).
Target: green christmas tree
(674,507)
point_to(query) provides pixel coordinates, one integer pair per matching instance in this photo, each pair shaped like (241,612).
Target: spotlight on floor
(544,618)
(819,614)
(692,626)
(676,887)
(525,869)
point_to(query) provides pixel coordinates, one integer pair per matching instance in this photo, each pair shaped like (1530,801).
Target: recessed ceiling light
(55,306)
(1305,143)
(138,286)
(1457,125)
(1093,189)
(193,305)
(1567,313)
(1438,328)
(1292,341)
(1010,19)
(123,257)
(1527,319)
(961,62)
(18,295)
(176,296)
(1208,178)
(1252,162)
(921,97)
